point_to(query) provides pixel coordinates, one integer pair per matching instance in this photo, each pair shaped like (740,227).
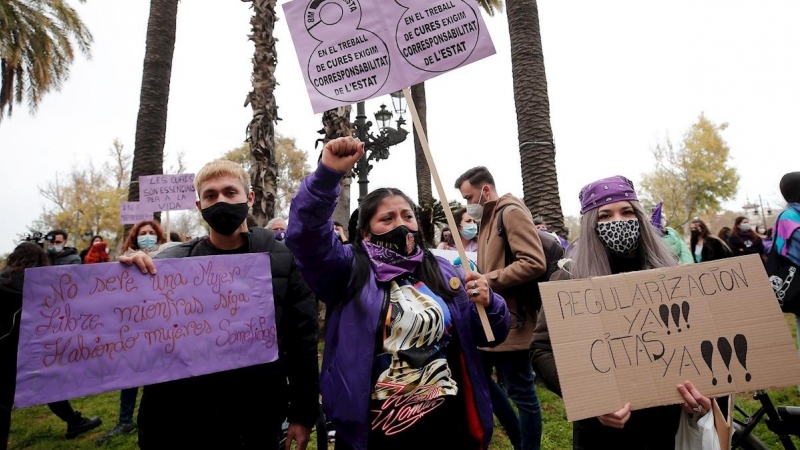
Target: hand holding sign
(633,337)
(141,260)
(93,328)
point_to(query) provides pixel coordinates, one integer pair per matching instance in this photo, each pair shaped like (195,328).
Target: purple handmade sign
(167,192)
(353,50)
(129,213)
(102,327)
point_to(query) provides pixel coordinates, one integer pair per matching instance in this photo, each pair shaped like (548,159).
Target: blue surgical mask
(469,231)
(146,241)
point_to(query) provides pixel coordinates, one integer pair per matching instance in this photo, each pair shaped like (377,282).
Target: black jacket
(10,314)
(713,248)
(740,246)
(67,256)
(241,408)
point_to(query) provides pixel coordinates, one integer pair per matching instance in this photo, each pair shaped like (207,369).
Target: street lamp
(376,147)
(398,102)
(383,117)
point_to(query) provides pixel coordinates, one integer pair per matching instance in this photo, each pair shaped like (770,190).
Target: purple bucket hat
(605,191)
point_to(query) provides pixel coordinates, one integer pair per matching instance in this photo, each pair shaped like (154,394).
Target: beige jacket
(529,262)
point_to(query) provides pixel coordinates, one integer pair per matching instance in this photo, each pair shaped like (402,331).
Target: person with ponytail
(403,329)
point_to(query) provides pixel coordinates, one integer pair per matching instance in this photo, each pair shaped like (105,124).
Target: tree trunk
(336,123)
(536,146)
(424,188)
(261,132)
(151,123)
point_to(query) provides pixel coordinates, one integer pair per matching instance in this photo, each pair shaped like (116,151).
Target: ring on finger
(474,285)
(698,408)
(474,293)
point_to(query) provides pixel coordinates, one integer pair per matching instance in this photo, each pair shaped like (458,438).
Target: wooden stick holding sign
(451,221)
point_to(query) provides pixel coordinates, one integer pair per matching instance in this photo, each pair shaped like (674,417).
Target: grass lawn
(37,428)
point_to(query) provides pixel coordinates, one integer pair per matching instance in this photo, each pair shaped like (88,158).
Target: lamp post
(377,147)
(755,208)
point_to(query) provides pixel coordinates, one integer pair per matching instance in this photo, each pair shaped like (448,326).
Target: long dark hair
(449,240)
(25,256)
(724,232)
(427,272)
(704,233)
(737,230)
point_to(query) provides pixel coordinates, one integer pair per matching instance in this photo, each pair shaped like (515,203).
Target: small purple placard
(167,192)
(129,213)
(354,50)
(94,328)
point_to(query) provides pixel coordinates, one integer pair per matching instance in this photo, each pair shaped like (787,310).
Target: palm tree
(261,131)
(151,123)
(36,49)
(536,146)
(336,123)
(424,189)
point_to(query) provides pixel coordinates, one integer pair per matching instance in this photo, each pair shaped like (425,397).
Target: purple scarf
(388,264)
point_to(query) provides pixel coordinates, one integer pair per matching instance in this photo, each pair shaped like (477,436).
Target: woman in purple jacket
(401,368)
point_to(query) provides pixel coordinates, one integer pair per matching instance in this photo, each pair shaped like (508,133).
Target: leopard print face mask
(619,236)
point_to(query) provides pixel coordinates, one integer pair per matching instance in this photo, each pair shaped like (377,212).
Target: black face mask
(695,233)
(398,240)
(225,218)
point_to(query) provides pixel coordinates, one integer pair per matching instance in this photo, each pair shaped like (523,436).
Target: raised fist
(342,153)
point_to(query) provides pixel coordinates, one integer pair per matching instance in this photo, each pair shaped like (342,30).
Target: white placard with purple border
(354,50)
(167,192)
(130,213)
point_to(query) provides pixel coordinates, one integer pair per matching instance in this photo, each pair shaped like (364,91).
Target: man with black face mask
(241,408)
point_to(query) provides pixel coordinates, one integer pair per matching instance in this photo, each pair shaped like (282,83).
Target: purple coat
(326,264)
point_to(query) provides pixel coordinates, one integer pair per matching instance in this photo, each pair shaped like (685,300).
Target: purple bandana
(388,264)
(605,191)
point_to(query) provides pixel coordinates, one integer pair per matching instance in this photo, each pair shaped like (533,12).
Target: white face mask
(475,210)
(745,226)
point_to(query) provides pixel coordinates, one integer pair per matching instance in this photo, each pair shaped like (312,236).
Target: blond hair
(221,168)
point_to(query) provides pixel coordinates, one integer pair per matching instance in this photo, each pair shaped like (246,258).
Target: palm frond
(36,49)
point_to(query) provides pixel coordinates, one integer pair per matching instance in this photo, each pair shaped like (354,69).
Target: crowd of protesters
(402,325)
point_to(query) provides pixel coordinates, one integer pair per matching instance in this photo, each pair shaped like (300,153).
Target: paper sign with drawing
(634,337)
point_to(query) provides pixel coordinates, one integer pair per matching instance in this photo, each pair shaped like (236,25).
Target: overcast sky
(622,76)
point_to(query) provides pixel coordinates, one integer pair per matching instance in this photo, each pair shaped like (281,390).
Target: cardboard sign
(353,50)
(632,338)
(130,213)
(95,328)
(167,192)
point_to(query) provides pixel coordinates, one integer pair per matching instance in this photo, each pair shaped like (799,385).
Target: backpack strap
(501,231)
